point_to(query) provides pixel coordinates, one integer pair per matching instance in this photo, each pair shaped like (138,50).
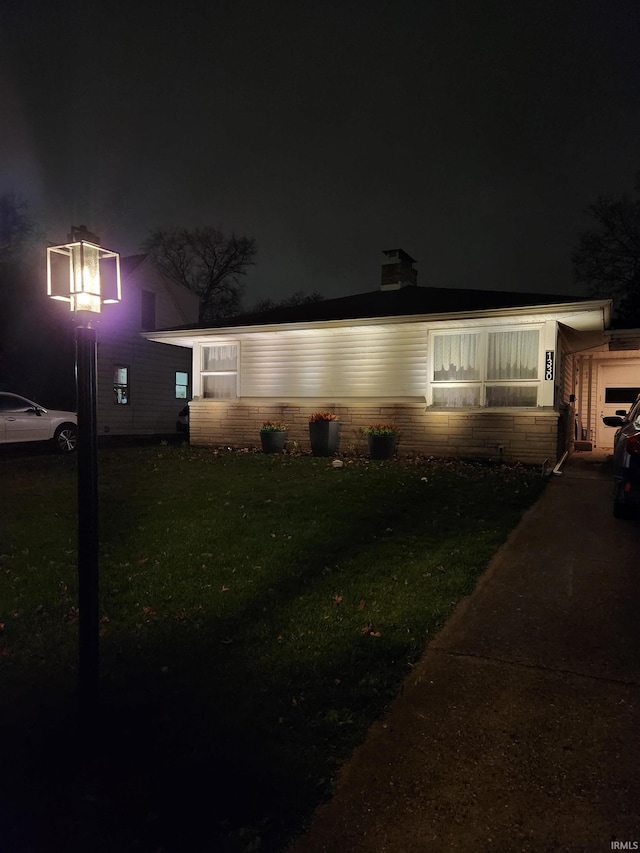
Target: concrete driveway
(520,727)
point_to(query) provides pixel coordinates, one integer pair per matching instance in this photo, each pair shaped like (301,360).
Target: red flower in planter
(322,416)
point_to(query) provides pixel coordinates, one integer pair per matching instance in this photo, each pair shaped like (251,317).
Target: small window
(121,386)
(148,311)
(220,371)
(182,385)
(456,397)
(621,395)
(512,395)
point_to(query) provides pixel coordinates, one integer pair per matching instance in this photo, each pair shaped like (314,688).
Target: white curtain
(455,358)
(456,397)
(512,395)
(513,355)
(219,387)
(220,357)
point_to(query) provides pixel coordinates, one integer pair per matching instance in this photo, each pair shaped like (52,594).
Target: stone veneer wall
(523,436)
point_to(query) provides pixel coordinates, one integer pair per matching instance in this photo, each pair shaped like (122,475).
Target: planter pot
(324,437)
(273,441)
(381,446)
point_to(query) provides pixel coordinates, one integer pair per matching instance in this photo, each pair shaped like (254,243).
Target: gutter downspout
(590,436)
(557,470)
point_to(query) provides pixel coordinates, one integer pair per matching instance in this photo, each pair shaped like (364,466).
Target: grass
(258,613)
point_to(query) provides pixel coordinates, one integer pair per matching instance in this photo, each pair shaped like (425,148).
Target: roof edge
(197,331)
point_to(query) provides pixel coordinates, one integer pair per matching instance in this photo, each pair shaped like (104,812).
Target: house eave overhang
(592,315)
(623,339)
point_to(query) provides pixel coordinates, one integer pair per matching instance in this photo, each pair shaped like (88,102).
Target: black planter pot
(324,437)
(381,446)
(273,441)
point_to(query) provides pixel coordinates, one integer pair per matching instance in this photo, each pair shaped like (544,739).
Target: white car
(23,420)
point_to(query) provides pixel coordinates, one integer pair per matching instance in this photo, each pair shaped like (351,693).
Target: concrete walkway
(520,728)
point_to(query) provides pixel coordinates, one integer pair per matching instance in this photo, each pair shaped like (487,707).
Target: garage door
(618,387)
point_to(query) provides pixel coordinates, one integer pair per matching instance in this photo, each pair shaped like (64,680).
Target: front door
(618,387)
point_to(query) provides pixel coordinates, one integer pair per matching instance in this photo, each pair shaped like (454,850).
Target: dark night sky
(471,133)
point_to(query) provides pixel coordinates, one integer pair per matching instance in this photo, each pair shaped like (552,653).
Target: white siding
(351,362)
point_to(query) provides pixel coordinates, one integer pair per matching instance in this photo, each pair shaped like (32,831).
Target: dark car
(626,460)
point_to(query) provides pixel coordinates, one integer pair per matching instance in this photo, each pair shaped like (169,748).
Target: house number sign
(548,364)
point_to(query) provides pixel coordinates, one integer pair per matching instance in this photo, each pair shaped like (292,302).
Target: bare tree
(16,226)
(607,260)
(36,351)
(207,262)
(297,298)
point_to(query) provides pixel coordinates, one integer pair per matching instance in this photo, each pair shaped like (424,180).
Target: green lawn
(258,613)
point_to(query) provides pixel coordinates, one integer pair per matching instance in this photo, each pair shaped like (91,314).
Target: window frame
(184,385)
(126,385)
(203,373)
(483,382)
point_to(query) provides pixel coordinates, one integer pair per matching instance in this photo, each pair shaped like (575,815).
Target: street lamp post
(85,275)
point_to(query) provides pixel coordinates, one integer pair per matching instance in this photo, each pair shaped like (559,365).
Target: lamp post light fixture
(86,276)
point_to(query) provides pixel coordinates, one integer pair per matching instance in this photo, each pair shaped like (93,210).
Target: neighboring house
(461,372)
(141,384)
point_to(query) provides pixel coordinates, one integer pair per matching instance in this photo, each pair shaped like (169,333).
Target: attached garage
(606,380)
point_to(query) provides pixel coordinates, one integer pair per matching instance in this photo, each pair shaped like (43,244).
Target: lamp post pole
(86,276)
(89,651)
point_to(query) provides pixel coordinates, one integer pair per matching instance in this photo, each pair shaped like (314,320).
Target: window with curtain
(456,397)
(513,355)
(455,358)
(486,368)
(220,371)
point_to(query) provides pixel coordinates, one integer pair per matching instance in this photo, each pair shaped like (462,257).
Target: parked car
(182,424)
(626,460)
(23,420)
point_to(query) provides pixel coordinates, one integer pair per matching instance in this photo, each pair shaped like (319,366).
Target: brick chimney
(81,232)
(397,270)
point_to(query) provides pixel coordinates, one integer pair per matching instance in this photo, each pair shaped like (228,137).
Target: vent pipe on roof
(397,270)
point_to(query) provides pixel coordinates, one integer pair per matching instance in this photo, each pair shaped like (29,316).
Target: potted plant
(273,435)
(381,439)
(324,433)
